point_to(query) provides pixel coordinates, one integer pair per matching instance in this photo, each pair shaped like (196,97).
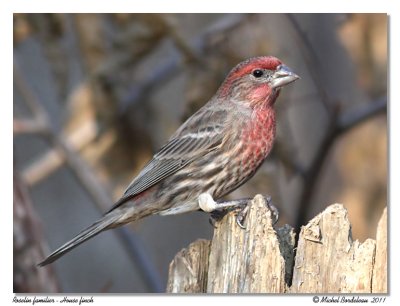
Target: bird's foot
(216,216)
(243,209)
(218,210)
(241,215)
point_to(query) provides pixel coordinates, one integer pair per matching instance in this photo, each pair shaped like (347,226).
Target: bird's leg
(219,209)
(222,208)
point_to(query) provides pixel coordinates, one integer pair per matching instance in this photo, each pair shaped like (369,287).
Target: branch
(171,66)
(53,159)
(29,126)
(358,115)
(86,176)
(337,126)
(181,44)
(29,245)
(311,59)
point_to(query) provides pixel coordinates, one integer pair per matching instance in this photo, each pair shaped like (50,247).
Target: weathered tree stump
(188,271)
(260,258)
(327,258)
(379,276)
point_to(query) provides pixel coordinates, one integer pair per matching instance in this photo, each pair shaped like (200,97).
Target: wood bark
(327,258)
(188,272)
(250,260)
(262,259)
(379,279)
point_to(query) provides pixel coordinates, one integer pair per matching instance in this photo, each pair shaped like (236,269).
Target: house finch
(215,151)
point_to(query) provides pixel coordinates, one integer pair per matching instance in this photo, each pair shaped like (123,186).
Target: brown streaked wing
(200,133)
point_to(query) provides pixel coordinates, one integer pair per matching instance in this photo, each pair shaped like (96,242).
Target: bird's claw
(274,211)
(216,216)
(241,216)
(244,209)
(218,210)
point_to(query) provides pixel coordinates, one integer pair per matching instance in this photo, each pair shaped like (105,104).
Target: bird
(216,150)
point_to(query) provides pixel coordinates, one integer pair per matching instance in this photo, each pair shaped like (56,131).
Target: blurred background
(95,95)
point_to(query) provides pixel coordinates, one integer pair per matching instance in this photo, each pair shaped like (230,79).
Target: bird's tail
(96,228)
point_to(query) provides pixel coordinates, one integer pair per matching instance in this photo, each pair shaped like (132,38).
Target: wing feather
(191,141)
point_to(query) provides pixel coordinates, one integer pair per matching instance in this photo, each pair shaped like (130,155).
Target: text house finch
(215,151)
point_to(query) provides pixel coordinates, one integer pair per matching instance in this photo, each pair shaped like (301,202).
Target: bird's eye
(258,73)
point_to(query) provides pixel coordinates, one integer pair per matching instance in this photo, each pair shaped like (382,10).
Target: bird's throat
(262,95)
(259,134)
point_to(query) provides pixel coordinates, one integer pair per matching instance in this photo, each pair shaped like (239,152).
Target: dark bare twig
(171,66)
(312,174)
(339,124)
(188,52)
(311,59)
(143,46)
(361,113)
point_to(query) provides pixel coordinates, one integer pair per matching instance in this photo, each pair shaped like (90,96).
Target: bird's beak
(283,76)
